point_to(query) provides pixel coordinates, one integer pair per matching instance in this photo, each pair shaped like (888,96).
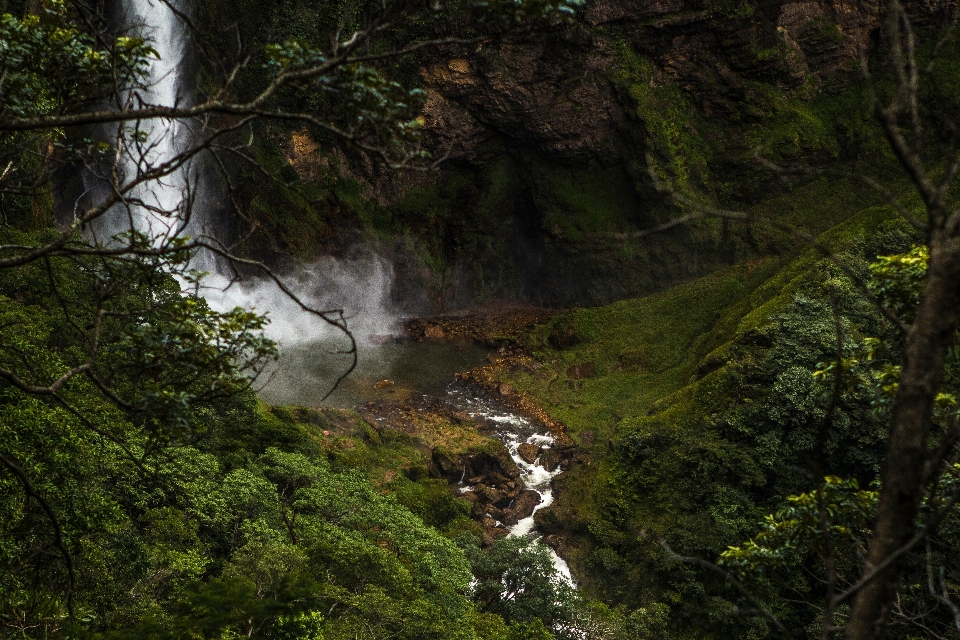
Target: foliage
(154,496)
(516,579)
(50,65)
(710,405)
(834,519)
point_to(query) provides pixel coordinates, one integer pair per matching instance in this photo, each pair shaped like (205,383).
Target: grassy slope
(672,360)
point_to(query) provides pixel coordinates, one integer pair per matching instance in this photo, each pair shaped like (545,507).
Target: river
(425,368)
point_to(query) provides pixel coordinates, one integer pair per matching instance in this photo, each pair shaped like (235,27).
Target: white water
(359,286)
(515,431)
(160,208)
(173,205)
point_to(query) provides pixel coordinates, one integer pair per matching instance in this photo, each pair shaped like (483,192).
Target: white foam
(360,286)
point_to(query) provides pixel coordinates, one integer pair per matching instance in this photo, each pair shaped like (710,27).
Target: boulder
(522,507)
(492,460)
(447,463)
(528,452)
(549,459)
(495,513)
(491,495)
(492,533)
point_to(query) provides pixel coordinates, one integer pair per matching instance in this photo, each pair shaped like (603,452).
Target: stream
(426,369)
(514,430)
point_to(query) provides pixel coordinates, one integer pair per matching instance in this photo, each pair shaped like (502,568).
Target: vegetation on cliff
(147,492)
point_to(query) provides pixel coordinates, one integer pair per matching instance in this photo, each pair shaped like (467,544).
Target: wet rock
(522,507)
(507,499)
(383,384)
(506,389)
(495,513)
(491,495)
(498,480)
(581,371)
(447,463)
(491,534)
(528,452)
(470,495)
(492,461)
(434,332)
(550,459)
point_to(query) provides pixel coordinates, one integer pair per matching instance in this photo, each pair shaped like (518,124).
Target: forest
(480,319)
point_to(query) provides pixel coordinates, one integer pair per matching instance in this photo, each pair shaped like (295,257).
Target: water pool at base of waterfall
(391,371)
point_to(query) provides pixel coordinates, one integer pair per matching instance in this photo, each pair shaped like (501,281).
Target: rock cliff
(561,148)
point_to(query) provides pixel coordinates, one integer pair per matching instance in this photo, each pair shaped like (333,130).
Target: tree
(907,94)
(112,367)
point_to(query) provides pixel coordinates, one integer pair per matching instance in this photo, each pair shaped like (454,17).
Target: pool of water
(394,371)
(305,373)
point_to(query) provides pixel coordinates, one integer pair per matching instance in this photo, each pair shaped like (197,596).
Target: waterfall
(175,204)
(160,208)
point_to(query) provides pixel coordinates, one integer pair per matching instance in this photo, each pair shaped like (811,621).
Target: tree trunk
(902,476)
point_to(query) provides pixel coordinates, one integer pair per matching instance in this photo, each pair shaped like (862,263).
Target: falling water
(172,205)
(159,208)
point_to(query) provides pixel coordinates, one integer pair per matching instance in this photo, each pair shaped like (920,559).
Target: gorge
(501,320)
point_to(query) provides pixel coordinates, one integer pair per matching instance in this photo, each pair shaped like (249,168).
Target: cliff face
(562,147)
(558,95)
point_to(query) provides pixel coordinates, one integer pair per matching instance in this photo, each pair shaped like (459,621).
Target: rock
(492,461)
(495,512)
(581,371)
(549,459)
(506,389)
(522,507)
(491,534)
(447,463)
(383,384)
(528,452)
(491,495)
(434,332)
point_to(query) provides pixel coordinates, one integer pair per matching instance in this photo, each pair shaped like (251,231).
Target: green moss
(575,201)
(679,154)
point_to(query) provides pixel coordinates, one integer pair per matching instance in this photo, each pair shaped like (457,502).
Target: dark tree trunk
(903,471)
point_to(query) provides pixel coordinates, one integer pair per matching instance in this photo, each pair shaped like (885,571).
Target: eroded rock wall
(562,149)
